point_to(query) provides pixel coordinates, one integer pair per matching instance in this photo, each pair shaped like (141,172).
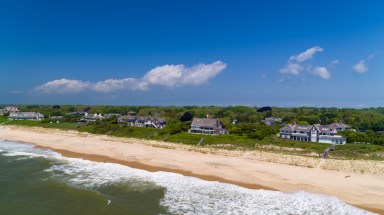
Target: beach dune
(360,183)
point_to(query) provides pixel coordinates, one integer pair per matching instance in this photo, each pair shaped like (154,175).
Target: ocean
(40,181)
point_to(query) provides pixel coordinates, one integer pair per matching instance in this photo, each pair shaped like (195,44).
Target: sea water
(41,181)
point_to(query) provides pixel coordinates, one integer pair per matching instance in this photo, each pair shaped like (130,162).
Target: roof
(204,122)
(159,119)
(338,125)
(142,118)
(272,119)
(26,114)
(296,127)
(127,118)
(109,115)
(93,116)
(332,128)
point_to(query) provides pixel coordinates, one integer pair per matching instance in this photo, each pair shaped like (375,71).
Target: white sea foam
(185,195)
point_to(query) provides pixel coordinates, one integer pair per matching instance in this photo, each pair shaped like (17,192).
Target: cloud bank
(169,76)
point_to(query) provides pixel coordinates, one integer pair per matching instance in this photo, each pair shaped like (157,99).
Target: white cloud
(63,86)
(372,55)
(360,67)
(170,76)
(202,73)
(334,62)
(283,79)
(292,68)
(110,85)
(15,92)
(306,55)
(264,77)
(294,65)
(322,72)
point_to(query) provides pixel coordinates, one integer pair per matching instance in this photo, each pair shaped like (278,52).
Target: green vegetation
(248,133)
(64,125)
(3,119)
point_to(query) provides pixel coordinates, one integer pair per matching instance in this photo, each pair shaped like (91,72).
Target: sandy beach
(360,183)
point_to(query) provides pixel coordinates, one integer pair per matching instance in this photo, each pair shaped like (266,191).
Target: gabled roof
(272,119)
(204,122)
(142,118)
(26,115)
(296,127)
(320,128)
(93,116)
(338,125)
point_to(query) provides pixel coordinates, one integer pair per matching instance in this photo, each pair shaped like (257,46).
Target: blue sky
(279,53)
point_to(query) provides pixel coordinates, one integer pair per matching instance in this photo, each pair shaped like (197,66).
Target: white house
(25,116)
(92,117)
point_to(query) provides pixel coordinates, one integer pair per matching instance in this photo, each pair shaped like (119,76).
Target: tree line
(238,120)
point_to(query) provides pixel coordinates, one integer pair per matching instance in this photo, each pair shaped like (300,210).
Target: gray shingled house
(207,126)
(271,120)
(143,121)
(314,133)
(9,109)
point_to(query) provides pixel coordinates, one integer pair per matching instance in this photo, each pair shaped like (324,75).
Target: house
(25,116)
(314,133)
(9,109)
(340,126)
(207,126)
(92,117)
(143,121)
(271,120)
(110,115)
(77,113)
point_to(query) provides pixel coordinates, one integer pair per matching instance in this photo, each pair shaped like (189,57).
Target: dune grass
(228,141)
(64,125)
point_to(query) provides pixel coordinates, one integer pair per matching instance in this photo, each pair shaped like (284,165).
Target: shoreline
(243,169)
(137,165)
